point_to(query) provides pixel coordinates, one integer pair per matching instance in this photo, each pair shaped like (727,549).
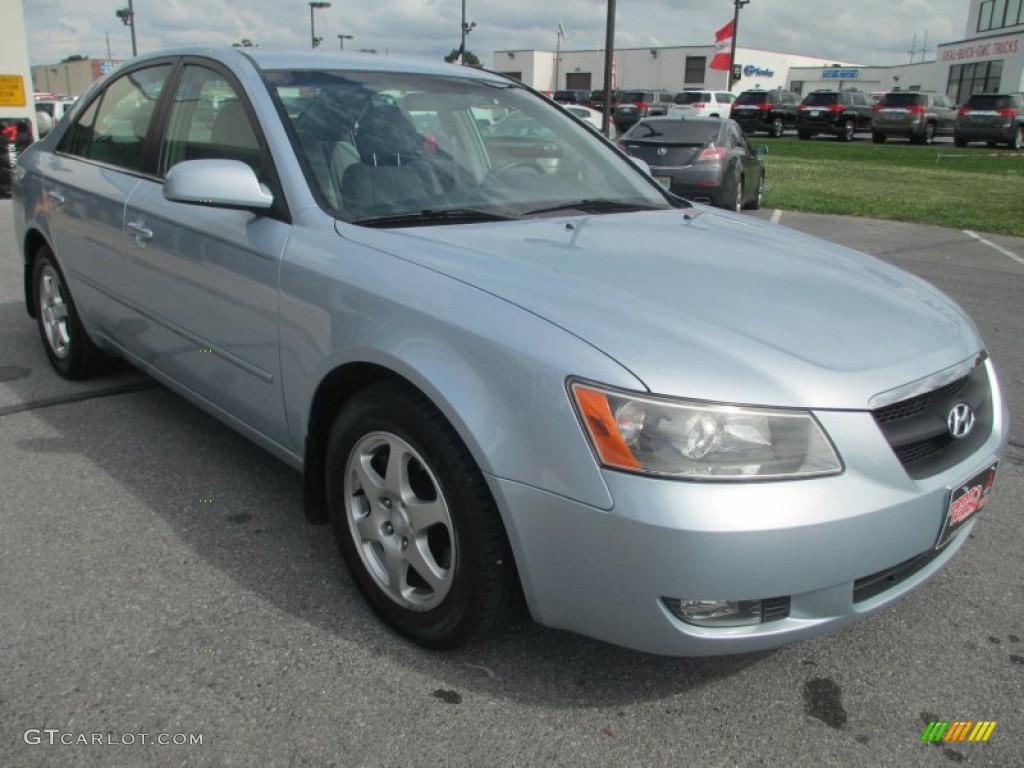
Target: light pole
(466,29)
(735,34)
(313,7)
(343,38)
(558,51)
(127,17)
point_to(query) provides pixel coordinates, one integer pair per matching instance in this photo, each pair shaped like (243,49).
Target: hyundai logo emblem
(960,421)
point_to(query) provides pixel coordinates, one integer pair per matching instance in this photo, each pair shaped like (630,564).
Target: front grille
(882,581)
(916,428)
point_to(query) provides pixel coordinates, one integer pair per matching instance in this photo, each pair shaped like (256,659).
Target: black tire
(878,138)
(804,135)
(929,134)
(755,204)
(777,128)
(72,353)
(847,131)
(960,141)
(474,584)
(1018,139)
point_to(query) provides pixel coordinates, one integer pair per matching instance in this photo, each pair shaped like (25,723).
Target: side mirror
(218,183)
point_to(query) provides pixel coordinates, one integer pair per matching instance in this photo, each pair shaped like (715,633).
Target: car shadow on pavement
(240,510)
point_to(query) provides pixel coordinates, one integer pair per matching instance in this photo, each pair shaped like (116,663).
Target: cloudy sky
(864,32)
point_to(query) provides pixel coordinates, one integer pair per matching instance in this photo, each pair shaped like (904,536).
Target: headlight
(702,441)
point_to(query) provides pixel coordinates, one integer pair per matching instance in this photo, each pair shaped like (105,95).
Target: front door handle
(141,231)
(56,197)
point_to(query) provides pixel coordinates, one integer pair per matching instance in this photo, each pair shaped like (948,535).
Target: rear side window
(114,127)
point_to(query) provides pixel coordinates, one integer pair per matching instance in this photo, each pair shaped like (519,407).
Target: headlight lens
(702,441)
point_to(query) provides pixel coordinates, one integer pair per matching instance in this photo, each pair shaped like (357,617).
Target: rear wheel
(777,128)
(847,131)
(929,134)
(878,138)
(737,200)
(1018,138)
(414,519)
(755,204)
(69,348)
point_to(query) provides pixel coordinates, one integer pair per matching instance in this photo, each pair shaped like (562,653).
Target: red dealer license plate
(966,501)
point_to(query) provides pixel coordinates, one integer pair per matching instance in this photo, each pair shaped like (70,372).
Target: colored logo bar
(958,730)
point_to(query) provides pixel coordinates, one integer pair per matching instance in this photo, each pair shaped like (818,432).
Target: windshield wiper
(431,216)
(598,205)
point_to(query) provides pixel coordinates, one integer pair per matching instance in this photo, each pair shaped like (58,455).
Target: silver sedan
(510,366)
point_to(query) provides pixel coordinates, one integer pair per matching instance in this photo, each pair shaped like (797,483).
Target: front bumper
(605,573)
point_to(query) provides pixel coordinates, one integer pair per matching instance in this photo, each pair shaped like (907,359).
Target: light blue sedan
(511,367)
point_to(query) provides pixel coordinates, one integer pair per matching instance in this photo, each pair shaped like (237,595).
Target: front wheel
(777,128)
(69,348)
(755,204)
(847,131)
(414,519)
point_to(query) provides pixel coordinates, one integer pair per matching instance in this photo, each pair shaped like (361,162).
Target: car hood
(708,305)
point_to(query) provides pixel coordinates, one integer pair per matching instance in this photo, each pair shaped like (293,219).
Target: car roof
(325,60)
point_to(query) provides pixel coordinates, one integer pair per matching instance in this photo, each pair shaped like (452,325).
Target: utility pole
(558,51)
(735,33)
(127,17)
(609,61)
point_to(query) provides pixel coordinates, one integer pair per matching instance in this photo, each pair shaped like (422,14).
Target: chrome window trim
(928,383)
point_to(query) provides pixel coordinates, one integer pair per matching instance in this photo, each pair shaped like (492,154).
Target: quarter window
(113,128)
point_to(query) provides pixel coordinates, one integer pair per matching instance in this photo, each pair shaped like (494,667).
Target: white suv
(702,104)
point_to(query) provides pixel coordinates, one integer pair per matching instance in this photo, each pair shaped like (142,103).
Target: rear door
(99,160)
(206,278)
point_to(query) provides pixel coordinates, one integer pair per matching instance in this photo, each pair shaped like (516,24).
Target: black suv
(916,115)
(572,97)
(993,118)
(839,113)
(597,99)
(771,111)
(634,105)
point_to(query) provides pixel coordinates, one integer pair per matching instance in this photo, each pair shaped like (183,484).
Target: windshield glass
(381,144)
(902,99)
(692,97)
(821,99)
(989,101)
(675,131)
(752,97)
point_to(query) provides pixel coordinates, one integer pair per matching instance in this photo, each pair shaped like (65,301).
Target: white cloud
(869,31)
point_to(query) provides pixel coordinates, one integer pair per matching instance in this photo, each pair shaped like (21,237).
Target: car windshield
(692,97)
(391,146)
(989,101)
(752,97)
(822,99)
(902,99)
(675,131)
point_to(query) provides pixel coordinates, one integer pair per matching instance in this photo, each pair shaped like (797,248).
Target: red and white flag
(723,47)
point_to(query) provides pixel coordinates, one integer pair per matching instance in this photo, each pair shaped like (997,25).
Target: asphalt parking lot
(158,582)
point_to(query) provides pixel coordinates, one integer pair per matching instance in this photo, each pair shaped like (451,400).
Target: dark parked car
(572,97)
(838,113)
(916,115)
(704,159)
(636,105)
(597,99)
(15,136)
(771,111)
(995,118)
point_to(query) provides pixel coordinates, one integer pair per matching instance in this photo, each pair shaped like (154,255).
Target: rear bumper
(1001,133)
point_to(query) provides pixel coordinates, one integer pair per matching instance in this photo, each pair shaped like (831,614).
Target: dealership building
(988,58)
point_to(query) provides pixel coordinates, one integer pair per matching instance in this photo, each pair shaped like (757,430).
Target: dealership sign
(1006,47)
(840,74)
(753,71)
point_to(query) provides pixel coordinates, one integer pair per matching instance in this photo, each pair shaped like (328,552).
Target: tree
(75,57)
(470,59)
(245,42)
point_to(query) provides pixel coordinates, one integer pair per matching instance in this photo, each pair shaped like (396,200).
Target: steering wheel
(516,165)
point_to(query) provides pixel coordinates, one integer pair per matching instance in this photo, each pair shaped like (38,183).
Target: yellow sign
(12,91)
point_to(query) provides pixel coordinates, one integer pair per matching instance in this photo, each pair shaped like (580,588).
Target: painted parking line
(990,244)
(776,216)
